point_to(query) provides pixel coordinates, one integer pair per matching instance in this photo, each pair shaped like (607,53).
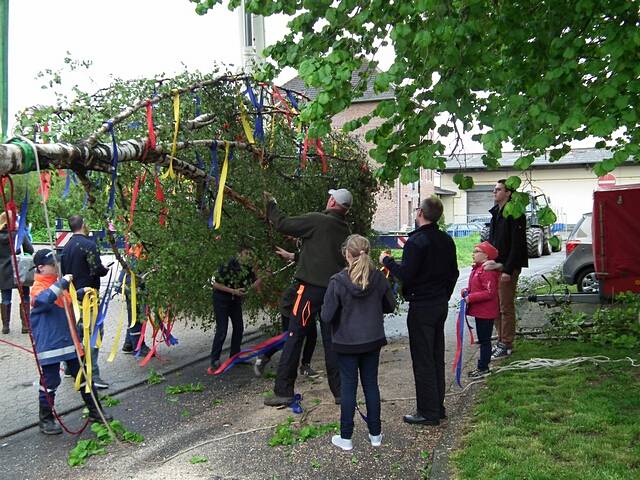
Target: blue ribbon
(22,224)
(102,310)
(462,315)
(67,186)
(292,99)
(114,168)
(258,131)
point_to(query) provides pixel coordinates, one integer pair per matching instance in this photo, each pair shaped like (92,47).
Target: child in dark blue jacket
(355,303)
(53,340)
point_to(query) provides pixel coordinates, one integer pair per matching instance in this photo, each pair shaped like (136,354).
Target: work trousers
(426,342)
(300,326)
(506,321)
(367,365)
(51,377)
(227,307)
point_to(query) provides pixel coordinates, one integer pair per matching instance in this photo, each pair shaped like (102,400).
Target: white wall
(570,189)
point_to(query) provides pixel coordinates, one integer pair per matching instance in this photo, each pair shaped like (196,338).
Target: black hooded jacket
(356,315)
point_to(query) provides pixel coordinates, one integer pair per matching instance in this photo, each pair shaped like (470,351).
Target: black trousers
(300,325)
(309,343)
(426,341)
(227,307)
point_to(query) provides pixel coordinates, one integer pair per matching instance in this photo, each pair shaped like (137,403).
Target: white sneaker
(376,440)
(343,443)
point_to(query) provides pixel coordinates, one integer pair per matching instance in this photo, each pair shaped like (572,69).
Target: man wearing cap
(81,258)
(428,272)
(509,236)
(53,340)
(322,235)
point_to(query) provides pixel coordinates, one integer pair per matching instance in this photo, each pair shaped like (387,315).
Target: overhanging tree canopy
(536,73)
(205,125)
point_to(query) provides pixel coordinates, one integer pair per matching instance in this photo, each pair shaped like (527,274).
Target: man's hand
(505,277)
(68,277)
(463,292)
(240,292)
(288,256)
(382,257)
(491,265)
(268,197)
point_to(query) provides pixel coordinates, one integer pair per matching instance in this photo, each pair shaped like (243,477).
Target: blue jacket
(81,258)
(49,322)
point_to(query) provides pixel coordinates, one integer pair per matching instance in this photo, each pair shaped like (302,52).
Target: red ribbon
(151,141)
(134,198)
(45,185)
(160,198)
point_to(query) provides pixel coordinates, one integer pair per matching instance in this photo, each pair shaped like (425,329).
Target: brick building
(397,203)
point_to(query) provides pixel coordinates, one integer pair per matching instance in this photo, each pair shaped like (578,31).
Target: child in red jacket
(483,302)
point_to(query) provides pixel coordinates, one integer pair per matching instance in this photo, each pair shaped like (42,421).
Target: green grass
(558,424)
(464,247)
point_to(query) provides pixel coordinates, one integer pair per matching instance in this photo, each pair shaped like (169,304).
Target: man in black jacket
(509,236)
(322,235)
(81,258)
(428,272)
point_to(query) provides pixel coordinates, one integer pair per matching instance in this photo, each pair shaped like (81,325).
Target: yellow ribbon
(245,122)
(176,119)
(116,340)
(74,302)
(134,299)
(89,317)
(217,210)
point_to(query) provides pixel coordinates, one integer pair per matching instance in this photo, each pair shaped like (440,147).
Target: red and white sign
(607,181)
(62,238)
(402,241)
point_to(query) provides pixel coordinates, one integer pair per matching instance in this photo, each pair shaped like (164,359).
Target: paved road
(18,404)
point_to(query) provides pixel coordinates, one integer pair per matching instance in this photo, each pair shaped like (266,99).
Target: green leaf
(513,182)
(546,216)
(555,242)
(409,175)
(198,459)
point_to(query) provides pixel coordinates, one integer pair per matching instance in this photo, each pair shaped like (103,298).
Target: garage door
(479,201)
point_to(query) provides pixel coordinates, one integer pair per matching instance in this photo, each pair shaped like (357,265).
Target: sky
(123,38)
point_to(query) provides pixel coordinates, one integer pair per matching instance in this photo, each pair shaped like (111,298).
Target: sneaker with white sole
(501,351)
(100,384)
(307,371)
(376,440)
(344,443)
(478,373)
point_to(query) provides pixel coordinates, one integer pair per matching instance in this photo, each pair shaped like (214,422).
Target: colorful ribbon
(22,223)
(176,119)
(123,313)
(151,140)
(457,361)
(258,129)
(245,123)
(217,215)
(273,343)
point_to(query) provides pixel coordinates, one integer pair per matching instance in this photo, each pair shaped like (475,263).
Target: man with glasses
(509,236)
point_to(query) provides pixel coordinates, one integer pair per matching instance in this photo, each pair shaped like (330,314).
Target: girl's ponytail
(360,265)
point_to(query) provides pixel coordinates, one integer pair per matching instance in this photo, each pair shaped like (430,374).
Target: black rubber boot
(25,312)
(5,313)
(94,416)
(47,423)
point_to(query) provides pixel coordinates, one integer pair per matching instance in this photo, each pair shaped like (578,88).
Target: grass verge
(464,247)
(567,423)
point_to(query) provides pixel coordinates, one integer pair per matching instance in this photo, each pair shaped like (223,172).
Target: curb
(246,339)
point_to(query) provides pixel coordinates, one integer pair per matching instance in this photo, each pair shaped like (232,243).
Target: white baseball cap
(342,196)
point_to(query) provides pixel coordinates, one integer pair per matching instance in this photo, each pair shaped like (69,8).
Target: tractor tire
(484,233)
(587,282)
(559,247)
(535,239)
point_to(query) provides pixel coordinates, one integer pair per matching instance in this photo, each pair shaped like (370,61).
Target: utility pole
(251,38)
(4,69)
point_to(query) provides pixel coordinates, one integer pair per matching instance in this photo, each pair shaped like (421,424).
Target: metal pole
(4,68)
